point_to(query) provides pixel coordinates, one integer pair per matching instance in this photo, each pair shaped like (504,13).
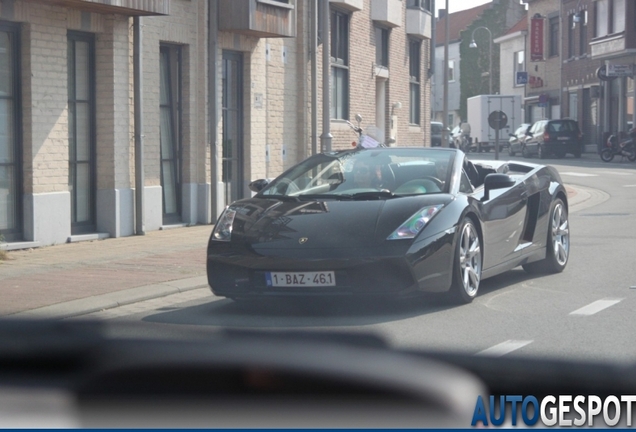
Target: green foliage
(475,61)
(3,253)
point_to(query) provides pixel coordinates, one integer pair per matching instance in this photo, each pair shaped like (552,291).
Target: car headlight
(415,223)
(223,228)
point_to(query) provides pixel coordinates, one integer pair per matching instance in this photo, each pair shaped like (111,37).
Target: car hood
(326,223)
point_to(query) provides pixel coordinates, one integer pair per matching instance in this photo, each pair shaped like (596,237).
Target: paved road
(585,312)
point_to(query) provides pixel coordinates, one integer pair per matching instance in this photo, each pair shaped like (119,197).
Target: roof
(520,26)
(458,22)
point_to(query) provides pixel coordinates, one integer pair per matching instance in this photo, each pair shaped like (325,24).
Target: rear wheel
(525,152)
(607,155)
(541,153)
(632,156)
(467,266)
(558,242)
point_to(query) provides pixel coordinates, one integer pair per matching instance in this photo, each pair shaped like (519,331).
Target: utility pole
(445,135)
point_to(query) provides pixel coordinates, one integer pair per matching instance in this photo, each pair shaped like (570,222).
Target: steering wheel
(438,182)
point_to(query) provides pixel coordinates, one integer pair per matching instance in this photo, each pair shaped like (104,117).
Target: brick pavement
(35,278)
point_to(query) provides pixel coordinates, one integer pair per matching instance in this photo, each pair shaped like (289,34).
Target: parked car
(557,137)
(518,138)
(437,130)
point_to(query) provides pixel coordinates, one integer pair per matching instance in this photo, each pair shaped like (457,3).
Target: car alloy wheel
(524,151)
(560,234)
(540,152)
(558,242)
(467,274)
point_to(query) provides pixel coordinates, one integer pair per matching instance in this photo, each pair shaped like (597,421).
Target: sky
(457,5)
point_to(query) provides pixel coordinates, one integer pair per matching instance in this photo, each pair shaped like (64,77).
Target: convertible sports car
(389,221)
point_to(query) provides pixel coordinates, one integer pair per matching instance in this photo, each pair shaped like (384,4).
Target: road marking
(616,173)
(596,307)
(578,174)
(504,348)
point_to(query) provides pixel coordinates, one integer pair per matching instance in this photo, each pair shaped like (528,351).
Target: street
(586,312)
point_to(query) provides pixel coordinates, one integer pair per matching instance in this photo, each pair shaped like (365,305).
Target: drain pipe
(213,49)
(326,138)
(314,77)
(139,129)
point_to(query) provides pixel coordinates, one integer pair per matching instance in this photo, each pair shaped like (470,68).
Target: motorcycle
(625,148)
(365,140)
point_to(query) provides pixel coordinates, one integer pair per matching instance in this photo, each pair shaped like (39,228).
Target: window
(10,188)
(339,65)
(415,48)
(451,120)
(573,104)
(571,33)
(601,17)
(554,36)
(419,4)
(451,70)
(81,131)
(618,16)
(519,60)
(582,32)
(170,130)
(382,46)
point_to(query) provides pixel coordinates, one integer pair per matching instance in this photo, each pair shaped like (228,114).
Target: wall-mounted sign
(521,78)
(620,70)
(536,39)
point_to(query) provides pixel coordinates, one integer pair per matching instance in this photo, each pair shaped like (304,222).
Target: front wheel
(467,265)
(632,156)
(558,242)
(511,152)
(607,155)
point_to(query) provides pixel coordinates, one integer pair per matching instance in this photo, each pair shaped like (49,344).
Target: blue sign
(521,78)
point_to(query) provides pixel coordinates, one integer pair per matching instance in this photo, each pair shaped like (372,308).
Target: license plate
(564,138)
(302,279)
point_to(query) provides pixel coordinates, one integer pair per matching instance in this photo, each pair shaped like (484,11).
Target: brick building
(224,97)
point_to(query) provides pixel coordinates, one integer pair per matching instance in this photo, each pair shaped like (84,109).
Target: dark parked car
(437,129)
(517,139)
(557,137)
(389,222)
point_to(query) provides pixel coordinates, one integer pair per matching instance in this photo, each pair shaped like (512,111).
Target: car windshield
(360,173)
(563,126)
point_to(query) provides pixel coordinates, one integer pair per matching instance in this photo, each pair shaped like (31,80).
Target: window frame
(415,74)
(339,44)
(382,38)
(553,29)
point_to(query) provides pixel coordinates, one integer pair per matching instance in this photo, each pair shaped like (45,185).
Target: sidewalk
(79,278)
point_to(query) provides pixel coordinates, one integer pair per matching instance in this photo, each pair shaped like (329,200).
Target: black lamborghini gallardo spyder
(389,221)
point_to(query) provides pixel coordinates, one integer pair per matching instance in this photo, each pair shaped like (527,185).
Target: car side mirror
(258,185)
(496,181)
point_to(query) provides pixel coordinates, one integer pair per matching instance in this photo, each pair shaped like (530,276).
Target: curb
(98,303)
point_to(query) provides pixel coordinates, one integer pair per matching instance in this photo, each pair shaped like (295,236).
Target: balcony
(387,12)
(124,7)
(259,18)
(612,46)
(350,5)
(418,23)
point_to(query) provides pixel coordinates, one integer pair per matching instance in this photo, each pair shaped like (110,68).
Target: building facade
(512,59)
(191,100)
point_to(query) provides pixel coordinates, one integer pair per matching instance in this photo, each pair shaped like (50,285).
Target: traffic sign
(521,78)
(497,120)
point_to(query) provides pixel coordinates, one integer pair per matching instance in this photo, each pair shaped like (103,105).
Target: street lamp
(473,44)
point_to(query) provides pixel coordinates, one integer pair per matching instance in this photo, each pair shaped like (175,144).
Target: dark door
(81,131)
(10,166)
(232,125)
(170,133)
(504,216)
